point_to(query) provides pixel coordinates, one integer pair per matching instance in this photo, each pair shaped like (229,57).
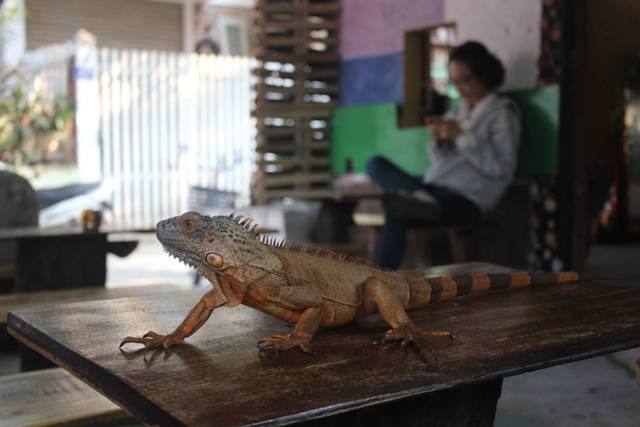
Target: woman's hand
(443,129)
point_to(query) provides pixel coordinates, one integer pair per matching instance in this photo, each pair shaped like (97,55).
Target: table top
(220,375)
(11,302)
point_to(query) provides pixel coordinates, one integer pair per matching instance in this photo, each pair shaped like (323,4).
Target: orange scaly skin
(307,286)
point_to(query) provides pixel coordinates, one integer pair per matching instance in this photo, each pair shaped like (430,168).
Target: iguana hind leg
(194,320)
(393,312)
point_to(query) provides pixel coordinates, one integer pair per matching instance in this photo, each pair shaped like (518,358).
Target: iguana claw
(409,333)
(282,343)
(152,340)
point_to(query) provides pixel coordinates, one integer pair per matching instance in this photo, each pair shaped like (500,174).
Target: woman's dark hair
(485,66)
(207,46)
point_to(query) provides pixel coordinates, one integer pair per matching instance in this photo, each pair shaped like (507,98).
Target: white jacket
(482,162)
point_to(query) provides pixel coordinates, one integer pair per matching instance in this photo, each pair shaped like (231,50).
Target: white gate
(171,123)
(160,126)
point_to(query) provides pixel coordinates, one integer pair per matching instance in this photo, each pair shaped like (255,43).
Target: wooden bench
(54,397)
(355,200)
(503,236)
(7,276)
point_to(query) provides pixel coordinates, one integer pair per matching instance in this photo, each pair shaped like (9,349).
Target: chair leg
(440,250)
(196,278)
(462,245)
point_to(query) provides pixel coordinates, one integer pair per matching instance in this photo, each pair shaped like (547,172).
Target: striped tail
(425,290)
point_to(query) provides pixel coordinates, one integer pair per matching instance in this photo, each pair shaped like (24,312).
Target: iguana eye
(214,260)
(188,225)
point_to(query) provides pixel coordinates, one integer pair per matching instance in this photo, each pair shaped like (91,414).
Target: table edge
(39,342)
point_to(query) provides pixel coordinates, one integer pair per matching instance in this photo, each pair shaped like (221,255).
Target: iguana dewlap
(307,286)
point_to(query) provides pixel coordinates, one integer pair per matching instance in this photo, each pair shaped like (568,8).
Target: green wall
(362,132)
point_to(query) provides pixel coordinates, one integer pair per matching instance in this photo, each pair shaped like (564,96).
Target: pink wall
(377,27)
(511,29)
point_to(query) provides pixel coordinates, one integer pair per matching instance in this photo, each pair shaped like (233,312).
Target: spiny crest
(247,223)
(233,229)
(312,250)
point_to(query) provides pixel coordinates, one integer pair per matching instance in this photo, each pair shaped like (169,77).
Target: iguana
(306,286)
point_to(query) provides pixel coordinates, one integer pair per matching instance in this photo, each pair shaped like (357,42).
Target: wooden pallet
(297,44)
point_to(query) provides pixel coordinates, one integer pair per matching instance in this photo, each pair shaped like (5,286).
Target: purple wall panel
(376,27)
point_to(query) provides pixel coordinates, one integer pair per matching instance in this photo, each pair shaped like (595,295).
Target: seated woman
(473,152)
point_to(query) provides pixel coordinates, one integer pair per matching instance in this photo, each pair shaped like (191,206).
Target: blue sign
(82,73)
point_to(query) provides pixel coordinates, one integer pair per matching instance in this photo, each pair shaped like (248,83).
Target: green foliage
(32,125)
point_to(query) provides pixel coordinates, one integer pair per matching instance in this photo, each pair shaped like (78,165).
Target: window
(426,79)
(233,37)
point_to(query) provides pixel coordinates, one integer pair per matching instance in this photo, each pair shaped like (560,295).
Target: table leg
(472,406)
(61,262)
(31,360)
(333,222)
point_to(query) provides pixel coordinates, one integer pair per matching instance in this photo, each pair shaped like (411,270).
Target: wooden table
(54,258)
(219,378)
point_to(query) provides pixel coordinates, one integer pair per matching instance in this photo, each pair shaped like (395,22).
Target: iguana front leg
(302,304)
(378,295)
(194,320)
(300,337)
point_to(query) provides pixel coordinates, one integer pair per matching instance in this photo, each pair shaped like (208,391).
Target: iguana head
(224,244)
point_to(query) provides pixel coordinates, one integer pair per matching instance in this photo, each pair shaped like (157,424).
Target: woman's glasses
(462,81)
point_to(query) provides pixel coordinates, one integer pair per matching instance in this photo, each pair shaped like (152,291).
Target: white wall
(509,28)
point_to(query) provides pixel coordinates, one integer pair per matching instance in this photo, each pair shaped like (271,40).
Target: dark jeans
(456,210)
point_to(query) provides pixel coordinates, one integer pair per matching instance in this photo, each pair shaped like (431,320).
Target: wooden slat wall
(116,23)
(297,43)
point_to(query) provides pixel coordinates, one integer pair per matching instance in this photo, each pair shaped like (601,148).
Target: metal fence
(158,126)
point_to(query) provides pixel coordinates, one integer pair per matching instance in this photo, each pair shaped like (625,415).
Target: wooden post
(87,105)
(572,181)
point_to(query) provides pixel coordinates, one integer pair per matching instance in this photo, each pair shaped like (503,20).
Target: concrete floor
(597,392)
(147,265)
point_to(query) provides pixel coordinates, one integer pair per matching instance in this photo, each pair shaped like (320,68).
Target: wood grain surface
(53,397)
(220,378)
(10,302)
